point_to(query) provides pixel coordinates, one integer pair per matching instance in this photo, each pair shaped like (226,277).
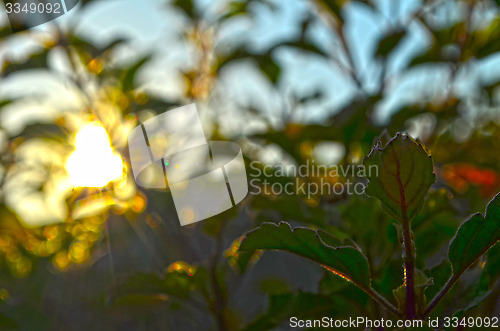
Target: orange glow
(181,266)
(341,275)
(460,176)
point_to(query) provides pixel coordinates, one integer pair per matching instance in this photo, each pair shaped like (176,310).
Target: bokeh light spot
(93,163)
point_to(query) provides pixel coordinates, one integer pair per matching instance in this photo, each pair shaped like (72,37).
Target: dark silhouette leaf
(389,42)
(34,61)
(269,67)
(187,6)
(475,237)
(346,262)
(43,130)
(128,80)
(85,46)
(488,40)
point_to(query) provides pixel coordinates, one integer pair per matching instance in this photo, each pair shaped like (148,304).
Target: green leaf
(311,97)
(468,292)
(269,67)
(492,264)
(335,7)
(435,225)
(389,277)
(389,42)
(474,291)
(404,176)
(44,131)
(152,287)
(6,323)
(440,275)
(475,237)
(421,283)
(333,286)
(487,41)
(306,46)
(5,31)
(346,262)
(155,103)
(85,46)
(442,38)
(5,102)
(235,54)
(432,55)
(235,8)
(34,61)
(240,260)
(128,79)
(139,299)
(364,217)
(264,61)
(187,6)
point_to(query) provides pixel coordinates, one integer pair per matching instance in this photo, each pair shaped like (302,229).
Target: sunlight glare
(93,163)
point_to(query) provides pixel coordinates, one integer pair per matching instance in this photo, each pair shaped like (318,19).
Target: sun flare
(93,163)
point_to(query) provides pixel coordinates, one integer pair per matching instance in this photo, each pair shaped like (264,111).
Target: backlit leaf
(346,262)
(421,283)
(404,176)
(241,260)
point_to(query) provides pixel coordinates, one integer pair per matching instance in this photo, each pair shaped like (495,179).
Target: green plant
(402,185)
(331,73)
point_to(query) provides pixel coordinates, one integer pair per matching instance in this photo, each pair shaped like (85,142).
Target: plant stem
(409,254)
(409,259)
(219,304)
(381,300)
(453,279)
(337,26)
(371,292)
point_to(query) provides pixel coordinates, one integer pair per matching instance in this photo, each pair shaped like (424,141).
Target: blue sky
(152,26)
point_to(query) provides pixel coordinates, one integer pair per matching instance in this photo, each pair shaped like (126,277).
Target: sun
(93,163)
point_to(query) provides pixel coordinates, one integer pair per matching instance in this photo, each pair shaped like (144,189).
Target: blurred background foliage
(291,82)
